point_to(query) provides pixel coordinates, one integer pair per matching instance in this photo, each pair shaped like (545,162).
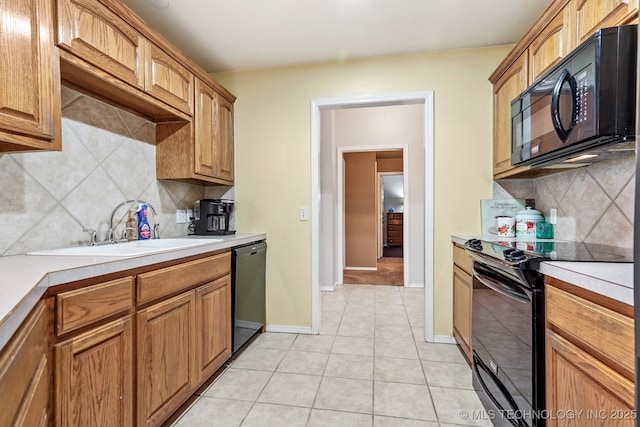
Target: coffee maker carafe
(211,216)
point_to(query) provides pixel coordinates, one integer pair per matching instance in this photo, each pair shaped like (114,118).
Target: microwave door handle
(563,133)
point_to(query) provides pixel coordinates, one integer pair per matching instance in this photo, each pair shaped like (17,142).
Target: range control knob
(515,255)
(475,244)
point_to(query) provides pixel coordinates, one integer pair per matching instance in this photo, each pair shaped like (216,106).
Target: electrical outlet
(181,216)
(304,214)
(189,214)
(553,216)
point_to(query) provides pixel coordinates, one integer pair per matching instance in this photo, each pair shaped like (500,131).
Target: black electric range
(508,322)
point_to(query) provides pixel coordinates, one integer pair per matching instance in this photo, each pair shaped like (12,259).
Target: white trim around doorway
(425,97)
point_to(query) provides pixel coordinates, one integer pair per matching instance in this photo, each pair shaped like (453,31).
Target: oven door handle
(503,287)
(477,365)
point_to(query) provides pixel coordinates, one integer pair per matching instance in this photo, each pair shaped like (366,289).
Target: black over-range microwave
(583,110)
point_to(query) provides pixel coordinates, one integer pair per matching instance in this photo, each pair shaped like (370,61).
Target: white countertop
(25,278)
(614,280)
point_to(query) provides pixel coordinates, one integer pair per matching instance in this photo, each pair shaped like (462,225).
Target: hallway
(390,271)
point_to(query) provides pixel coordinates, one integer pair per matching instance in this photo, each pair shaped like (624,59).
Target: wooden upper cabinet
(508,86)
(213,134)
(29,77)
(553,43)
(224,143)
(168,80)
(92,32)
(590,15)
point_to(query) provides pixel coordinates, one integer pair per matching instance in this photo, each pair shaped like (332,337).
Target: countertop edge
(79,268)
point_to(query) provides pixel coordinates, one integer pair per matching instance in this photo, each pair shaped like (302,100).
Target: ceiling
(231,35)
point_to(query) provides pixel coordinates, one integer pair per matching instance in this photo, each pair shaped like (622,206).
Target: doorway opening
(373,204)
(327,240)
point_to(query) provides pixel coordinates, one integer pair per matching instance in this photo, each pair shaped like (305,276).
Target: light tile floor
(369,367)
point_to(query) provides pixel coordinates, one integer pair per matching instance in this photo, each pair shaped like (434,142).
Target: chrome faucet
(111,233)
(93,234)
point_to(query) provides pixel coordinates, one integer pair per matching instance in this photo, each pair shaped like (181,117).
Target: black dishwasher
(248,268)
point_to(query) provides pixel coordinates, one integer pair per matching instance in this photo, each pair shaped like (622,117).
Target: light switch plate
(304,214)
(181,216)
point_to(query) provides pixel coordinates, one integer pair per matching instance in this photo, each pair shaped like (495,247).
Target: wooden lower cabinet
(25,376)
(462,294)
(589,358)
(580,384)
(213,327)
(94,377)
(166,357)
(462,309)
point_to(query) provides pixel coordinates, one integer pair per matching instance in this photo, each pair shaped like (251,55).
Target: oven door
(508,350)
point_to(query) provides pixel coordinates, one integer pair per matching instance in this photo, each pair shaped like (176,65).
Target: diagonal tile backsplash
(107,157)
(595,203)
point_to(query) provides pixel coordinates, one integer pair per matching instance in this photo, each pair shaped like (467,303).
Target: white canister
(526,222)
(506,226)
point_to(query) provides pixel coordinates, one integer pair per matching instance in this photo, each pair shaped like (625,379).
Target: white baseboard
(327,288)
(415,285)
(289,329)
(362,268)
(444,339)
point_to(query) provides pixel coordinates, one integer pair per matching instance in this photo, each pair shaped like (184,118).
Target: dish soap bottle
(131,230)
(144,231)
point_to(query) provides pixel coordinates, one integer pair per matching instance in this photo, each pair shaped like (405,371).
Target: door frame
(424,97)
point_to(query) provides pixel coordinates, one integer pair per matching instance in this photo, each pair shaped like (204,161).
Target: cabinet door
(214,134)
(462,289)
(213,326)
(24,374)
(510,85)
(94,377)
(29,77)
(206,124)
(223,149)
(92,32)
(576,381)
(553,43)
(165,347)
(167,80)
(594,14)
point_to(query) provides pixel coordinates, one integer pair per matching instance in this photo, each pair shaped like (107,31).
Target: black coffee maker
(211,216)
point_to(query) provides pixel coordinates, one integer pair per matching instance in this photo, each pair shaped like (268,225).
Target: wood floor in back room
(390,271)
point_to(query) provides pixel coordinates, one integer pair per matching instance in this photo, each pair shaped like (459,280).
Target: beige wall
(360,210)
(273,171)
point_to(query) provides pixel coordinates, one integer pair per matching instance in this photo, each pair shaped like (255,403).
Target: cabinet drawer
(397,234)
(461,259)
(394,227)
(170,280)
(81,307)
(603,332)
(395,221)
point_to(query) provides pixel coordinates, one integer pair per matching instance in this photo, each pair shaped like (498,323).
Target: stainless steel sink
(138,247)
